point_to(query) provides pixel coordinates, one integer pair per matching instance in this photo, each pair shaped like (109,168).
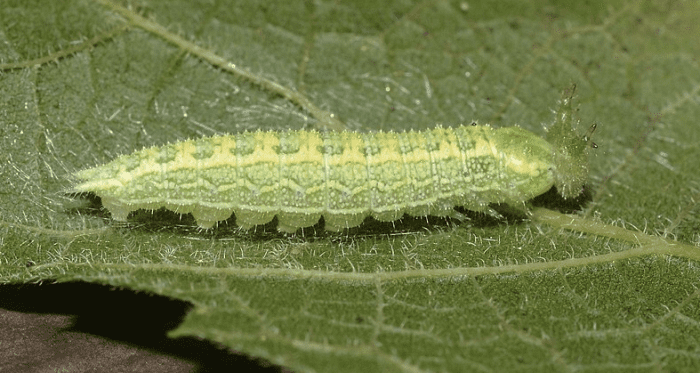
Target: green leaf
(613,288)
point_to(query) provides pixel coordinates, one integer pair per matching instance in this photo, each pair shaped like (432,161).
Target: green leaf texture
(612,288)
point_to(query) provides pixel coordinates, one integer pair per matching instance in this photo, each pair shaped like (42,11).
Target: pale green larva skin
(300,176)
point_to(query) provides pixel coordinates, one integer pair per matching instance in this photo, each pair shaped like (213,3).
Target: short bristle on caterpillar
(300,176)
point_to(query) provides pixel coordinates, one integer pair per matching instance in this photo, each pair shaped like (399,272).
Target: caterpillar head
(570,149)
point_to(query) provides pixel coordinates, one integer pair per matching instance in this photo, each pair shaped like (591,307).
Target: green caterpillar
(300,176)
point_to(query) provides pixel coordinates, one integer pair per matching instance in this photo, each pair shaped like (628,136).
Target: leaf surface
(612,289)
